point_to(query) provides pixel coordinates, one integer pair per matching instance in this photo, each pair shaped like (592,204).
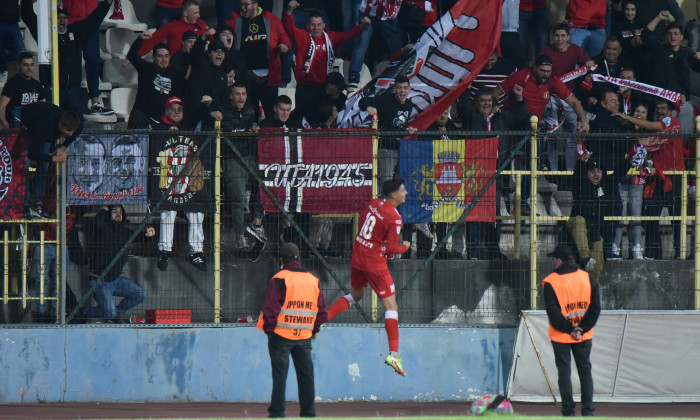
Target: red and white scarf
(312,50)
(669,95)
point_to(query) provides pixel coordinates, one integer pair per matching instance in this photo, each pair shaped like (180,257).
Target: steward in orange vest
(572,301)
(292,314)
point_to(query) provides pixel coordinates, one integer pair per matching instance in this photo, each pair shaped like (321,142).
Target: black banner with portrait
(107,169)
(174,159)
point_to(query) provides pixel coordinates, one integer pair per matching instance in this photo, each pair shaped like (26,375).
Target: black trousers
(562,358)
(280,348)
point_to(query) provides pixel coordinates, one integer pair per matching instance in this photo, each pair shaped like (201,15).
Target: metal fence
(480,220)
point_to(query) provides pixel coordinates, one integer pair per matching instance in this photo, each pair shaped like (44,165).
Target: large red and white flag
(310,173)
(441,65)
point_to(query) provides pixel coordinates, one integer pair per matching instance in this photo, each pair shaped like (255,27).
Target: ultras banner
(443,177)
(173,161)
(440,66)
(315,173)
(107,169)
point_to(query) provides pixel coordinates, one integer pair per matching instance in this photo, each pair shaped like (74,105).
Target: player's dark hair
(391,186)
(70,120)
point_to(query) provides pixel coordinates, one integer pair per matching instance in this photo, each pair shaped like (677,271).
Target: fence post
(697,214)
(217,225)
(533,213)
(376,190)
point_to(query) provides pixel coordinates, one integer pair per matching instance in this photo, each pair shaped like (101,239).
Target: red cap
(172,101)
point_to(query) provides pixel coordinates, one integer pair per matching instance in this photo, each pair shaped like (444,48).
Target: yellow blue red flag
(444,176)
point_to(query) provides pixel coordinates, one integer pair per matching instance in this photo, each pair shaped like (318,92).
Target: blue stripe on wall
(117,364)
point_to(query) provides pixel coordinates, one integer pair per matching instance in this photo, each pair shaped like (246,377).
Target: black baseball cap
(563,252)
(543,60)
(189,35)
(289,252)
(216,45)
(592,164)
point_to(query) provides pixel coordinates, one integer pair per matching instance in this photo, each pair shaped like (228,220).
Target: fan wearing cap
(538,87)
(157,82)
(594,196)
(207,82)
(314,50)
(572,301)
(292,315)
(171,33)
(72,39)
(181,60)
(173,120)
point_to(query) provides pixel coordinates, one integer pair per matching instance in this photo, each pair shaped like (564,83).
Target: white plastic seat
(29,42)
(122,100)
(365,75)
(118,75)
(118,41)
(130,21)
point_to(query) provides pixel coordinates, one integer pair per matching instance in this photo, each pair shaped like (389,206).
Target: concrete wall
(123,364)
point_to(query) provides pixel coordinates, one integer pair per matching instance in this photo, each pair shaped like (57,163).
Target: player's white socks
(349,298)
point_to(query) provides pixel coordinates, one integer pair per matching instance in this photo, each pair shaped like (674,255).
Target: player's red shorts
(380,280)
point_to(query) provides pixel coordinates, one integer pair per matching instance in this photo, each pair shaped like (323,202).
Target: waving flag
(441,65)
(443,176)
(315,173)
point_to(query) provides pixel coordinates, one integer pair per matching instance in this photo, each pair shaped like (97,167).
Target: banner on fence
(173,160)
(107,169)
(13,175)
(315,173)
(440,66)
(444,176)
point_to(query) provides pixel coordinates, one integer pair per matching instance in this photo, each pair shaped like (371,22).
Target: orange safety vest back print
(573,292)
(298,314)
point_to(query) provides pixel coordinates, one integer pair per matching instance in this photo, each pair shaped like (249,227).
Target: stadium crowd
(191,75)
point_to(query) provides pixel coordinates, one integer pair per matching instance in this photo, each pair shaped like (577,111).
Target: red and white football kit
(378,236)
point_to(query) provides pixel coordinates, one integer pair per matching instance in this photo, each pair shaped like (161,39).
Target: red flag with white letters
(310,173)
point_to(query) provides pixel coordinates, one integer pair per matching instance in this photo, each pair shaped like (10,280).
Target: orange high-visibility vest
(298,314)
(573,292)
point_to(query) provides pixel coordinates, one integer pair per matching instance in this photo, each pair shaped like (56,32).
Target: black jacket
(240,120)
(41,120)
(392,116)
(591,201)
(106,239)
(551,303)
(609,151)
(155,85)
(205,79)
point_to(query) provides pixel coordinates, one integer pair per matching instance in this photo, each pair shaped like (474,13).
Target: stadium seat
(122,100)
(118,41)
(29,42)
(119,75)
(130,21)
(365,75)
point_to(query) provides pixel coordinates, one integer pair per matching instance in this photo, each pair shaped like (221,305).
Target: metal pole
(374,302)
(533,213)
(518,217)
(217,225)
(697,215)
